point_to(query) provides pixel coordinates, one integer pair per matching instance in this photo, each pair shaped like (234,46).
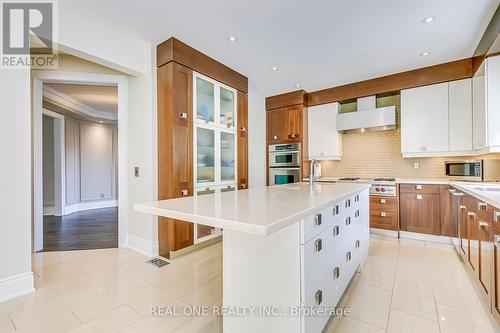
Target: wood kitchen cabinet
(285,124)
(242,140)
(293,122)
(449,211)
(276,128)
(420,208)
(495,268)
(384,212)
(472,232)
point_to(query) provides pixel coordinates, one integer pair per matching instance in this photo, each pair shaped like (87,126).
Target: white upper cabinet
(424,120)
(460,115)
(324,142)
(486,106)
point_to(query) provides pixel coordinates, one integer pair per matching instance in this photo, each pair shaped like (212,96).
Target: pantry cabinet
(324,141)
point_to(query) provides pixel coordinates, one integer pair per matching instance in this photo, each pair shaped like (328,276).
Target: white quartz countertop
(260,211)
(487,192)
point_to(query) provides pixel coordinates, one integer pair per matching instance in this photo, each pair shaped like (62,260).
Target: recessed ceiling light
(274,68)
(101,122)
(429,19)
(232,39)
(424,54)
(297,85)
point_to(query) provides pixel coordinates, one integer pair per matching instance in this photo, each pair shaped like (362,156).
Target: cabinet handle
(419,197)
(184,192)
(382,201)
(318,296)
(418,187)
(462,207)
(458,194)
(452,190)
(335,210)
(347,220)
(357,244)
(482,206)
(471,214)
(317,219)
(348,203)
(318,245)
(243,129)
(383,214)
(184,115)
(356,198)
(243,186)
(496,239)
(356,213)
(496,217)
(275,137)
(483,225)
(291,136)
(336,230)
(348,256)
(336,273)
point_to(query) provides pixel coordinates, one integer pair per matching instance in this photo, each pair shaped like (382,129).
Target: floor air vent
(157,262)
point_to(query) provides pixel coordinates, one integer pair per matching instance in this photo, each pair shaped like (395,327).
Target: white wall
(15,185)
(257,139)
(48,161)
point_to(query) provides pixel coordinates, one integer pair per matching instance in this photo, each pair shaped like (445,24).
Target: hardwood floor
(90,229)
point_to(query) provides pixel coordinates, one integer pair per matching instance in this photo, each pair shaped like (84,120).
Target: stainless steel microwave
(473,170)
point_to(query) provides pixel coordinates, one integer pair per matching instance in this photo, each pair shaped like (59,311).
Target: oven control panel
(387,190)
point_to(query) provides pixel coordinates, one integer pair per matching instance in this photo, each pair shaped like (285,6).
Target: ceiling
(317,44)
(99,98)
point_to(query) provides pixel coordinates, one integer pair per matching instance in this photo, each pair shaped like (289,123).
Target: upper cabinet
(486,106)
(324,142)
(285,124)
(436,120)
(276,130)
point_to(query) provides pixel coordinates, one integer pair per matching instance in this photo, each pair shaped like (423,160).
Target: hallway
(85,230)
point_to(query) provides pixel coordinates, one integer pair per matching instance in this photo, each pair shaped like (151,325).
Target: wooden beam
(181,53)
(287,99)
(451,71)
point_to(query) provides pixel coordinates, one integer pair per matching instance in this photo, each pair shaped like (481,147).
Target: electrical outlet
(136,171)
(416,165)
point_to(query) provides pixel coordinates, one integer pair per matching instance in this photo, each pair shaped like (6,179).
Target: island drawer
(317,223)
(419,188)
(383,204)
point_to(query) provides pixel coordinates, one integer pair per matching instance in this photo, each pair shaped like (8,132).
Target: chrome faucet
(312,172)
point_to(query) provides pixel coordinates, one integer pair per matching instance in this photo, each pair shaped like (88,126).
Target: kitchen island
(289,251)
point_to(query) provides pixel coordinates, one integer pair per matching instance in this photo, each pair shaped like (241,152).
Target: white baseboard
(425,237)
(49,209)
(89,205)
(383,232)
(16,286)
(149,249)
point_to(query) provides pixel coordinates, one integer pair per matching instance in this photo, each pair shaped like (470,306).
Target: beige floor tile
(379,272)
(62,322)
(401,322)
(351,325)
(370,304)
(201,325)
(424,309)
(452,320)
(6,325)
(112,321)
(78,290)
(157,324)
(412,290)
(207,294)
(38,297)
(37,312)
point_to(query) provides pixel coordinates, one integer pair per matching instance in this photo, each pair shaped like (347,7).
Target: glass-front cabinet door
(205,100)
(205,156)
(227,156)
(227,107)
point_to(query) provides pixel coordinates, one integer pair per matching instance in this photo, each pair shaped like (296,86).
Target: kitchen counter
(289,248)
(487,192)
(259,211)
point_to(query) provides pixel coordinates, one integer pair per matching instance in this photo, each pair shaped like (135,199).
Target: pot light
(429,19)
(424,54)
(232,39)
(274,68)
(297,85)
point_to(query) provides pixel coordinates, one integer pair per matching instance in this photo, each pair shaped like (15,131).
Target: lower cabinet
(384,212)
(420,212)
(335,243)
(495,290)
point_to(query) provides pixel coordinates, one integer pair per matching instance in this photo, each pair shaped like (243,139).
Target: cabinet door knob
(318,245)
(383,214)
(483,225)
(418,187)
(317,219)
(419,197)
(462,207)
(184,192)
(471,214)
(243,129)
(496,239)
(275,137)
(496,216)
(458,194)
(382,201)
(318,296)
(482,206)
(184,115)
(243,186)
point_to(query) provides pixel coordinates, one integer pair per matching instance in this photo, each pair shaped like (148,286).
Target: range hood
(368,118)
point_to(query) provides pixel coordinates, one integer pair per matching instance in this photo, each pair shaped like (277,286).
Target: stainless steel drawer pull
(275,137)
(452,190)
(496,216)
(356,198)
(184,192)
(383,214)
(382,201)
(184,115)
(482,206)
(335,210)
(356,213)
(348,203)
(318,297)
(462,207)
(483,225)
(317,219)
(418,187)
(496,239)
(243,129)
(419,197)
(471,214)
(348,256)
(336,230)
(458,194)
(347,220)
(357,244)
(318,245)
(336,273)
